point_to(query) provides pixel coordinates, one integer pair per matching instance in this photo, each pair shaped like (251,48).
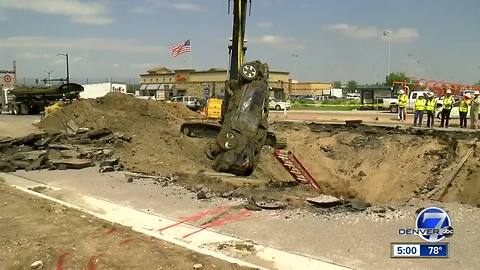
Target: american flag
(180,48)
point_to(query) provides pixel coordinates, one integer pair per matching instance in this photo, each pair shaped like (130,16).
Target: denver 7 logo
(434,218)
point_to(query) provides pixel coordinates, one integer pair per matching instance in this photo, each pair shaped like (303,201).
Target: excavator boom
(244,124)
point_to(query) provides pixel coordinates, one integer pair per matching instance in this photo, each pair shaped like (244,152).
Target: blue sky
(334,39)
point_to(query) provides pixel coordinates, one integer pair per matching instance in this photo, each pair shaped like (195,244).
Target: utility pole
(14,73)
(49,77)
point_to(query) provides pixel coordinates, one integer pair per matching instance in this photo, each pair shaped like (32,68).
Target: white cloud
(265,24)
(31,55)
(271,40)
(373,32)
(278,42)
(106,44)
(59,60)
(188,6)
(77,11)
(403,35)
(152,5)
(145,66)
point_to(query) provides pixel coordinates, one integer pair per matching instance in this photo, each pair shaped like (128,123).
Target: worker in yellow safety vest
(475,110)
(463,109)
(402,104)
(447,104)
(420,104)
(431,107)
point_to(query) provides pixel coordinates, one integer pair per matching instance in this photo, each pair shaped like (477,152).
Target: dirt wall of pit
(385,164)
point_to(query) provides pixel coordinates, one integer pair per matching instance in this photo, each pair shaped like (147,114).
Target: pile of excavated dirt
(156,147)
(384,165)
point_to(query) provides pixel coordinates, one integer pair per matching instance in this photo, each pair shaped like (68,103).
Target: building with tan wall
(310,88)
(164,83)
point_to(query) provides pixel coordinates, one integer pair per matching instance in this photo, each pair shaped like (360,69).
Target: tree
(337,84)
(352,86)
(131,88)
(396,76)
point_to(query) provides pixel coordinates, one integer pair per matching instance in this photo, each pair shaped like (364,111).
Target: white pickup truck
(392,103)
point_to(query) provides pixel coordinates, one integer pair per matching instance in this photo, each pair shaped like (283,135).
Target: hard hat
(430,94)
(467,96)
(449,91)
(476,92)
(401,91)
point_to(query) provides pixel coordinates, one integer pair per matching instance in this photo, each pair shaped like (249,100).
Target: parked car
(279,105)
(193,103)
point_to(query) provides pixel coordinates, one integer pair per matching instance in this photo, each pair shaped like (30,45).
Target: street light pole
(68,72)
(295,56)
(387,34)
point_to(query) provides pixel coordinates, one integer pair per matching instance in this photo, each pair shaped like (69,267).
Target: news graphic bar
(419,250)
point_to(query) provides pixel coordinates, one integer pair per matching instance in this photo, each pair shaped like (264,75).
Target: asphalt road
(367,117)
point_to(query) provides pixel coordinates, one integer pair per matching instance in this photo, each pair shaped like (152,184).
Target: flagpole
(190,55)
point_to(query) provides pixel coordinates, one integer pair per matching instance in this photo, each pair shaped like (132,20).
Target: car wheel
(249,72)
(211,150)
(278,108)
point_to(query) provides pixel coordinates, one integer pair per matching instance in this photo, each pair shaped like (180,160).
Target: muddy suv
(237,147)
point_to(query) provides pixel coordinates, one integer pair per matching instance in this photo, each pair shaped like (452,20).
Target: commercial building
(163,83)
(310,88)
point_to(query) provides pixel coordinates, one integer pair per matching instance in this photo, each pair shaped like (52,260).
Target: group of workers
(428,103)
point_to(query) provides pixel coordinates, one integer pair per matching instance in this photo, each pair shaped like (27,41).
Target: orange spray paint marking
(112,230)
(222,221)
(126,241)
(198,216)
(91,263)
(61,261)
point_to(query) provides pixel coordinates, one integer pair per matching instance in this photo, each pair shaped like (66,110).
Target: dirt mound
(156,146)
(118,111)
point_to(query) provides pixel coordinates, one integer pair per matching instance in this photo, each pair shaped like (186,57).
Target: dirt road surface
(33,229)
(369,117)
(18,125)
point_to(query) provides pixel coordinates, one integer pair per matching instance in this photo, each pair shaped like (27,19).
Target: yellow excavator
(242,129)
